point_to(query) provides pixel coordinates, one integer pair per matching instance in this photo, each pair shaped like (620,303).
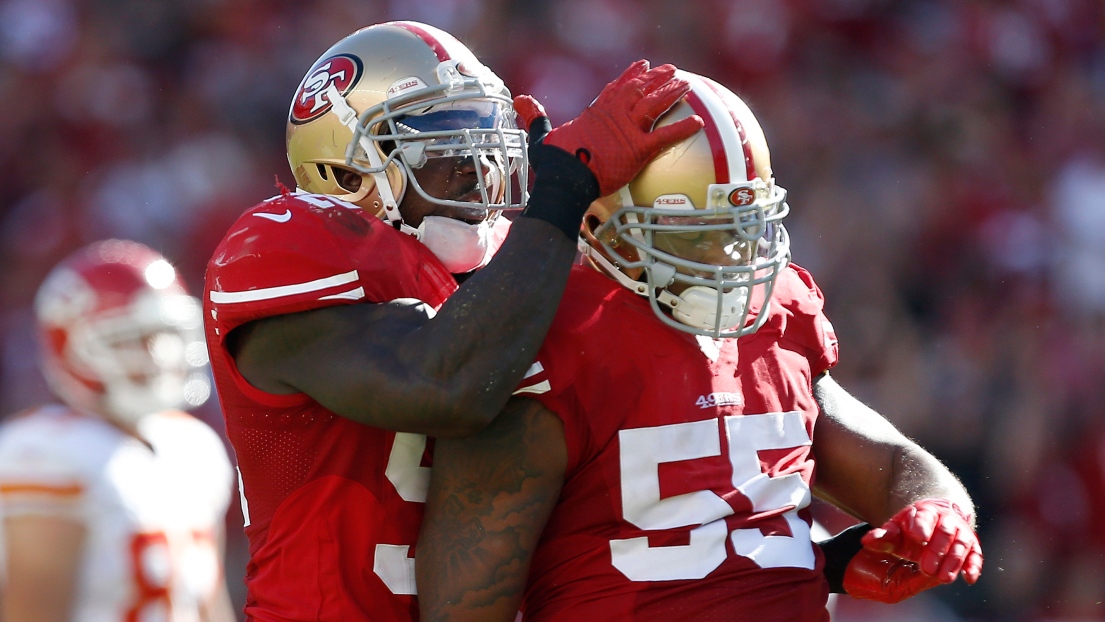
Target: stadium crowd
(945,162)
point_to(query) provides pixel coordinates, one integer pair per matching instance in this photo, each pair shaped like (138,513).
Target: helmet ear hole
(322,171)
(350,181)
(590,223)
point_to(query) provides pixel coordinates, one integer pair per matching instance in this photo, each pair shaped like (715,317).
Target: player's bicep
(43,561)
(489,499)
(337,355)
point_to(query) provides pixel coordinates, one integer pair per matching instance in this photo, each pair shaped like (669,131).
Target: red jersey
(689,462)
(332,506)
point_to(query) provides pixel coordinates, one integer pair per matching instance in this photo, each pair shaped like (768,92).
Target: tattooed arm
(490,496)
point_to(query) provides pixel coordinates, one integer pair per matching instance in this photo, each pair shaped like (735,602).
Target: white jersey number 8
(642,452)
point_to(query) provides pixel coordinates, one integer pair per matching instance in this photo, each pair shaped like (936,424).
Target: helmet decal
(673,201)
(310,103)
(742,196)
(406,84)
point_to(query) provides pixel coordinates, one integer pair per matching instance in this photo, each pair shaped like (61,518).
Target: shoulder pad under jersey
(296,252)
(799,306)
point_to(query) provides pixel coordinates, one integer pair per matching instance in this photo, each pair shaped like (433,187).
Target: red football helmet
(119,335)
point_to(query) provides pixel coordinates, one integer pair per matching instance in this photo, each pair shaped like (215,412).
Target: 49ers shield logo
(310,103)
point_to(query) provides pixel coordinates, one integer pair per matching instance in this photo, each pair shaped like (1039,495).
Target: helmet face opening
(710,268)
(475,126)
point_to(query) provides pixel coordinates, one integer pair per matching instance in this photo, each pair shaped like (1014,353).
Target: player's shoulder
(288,227)
(185,428)
(797,316)
(184,439)
(796,293)
(54,438)
(54,423)
(598,324)
(592,301)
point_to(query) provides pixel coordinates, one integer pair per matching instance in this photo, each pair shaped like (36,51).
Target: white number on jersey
(642,452)
(393,563)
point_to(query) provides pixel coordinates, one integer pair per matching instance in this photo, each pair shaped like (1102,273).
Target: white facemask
(460,246)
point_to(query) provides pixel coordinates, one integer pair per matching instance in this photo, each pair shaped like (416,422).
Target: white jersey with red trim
(152,511)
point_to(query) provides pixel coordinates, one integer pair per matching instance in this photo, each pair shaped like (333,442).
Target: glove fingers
(671,134)
(922,524)
(631,74)
(917,526)
(529,109)
(887,539)
(952,563)
(972,568)
(944,546)
(659,101)
(656,76)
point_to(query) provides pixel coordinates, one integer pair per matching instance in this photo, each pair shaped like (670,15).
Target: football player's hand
(882,577)
(926,544)
(614,136)
(534,118)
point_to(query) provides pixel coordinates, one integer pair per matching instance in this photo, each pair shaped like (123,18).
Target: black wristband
(839,551)
(563,190)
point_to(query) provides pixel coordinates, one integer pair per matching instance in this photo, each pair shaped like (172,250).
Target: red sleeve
(568,377)
(546,382)
(298,252)
(807,329)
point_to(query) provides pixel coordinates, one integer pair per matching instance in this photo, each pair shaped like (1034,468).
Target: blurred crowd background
(945,161)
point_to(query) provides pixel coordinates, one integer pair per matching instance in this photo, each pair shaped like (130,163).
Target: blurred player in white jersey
(112,501)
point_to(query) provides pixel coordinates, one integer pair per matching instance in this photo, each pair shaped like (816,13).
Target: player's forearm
(485,337)
(867,467)
(490,496)
(918,475)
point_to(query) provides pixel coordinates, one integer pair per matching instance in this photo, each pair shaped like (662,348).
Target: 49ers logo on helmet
(742,196)
(310,103)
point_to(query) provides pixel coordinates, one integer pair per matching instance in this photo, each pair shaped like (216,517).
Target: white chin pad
(461,247)
(698,307)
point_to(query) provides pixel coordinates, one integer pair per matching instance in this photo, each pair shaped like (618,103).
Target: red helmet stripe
(428,37)
(749,164)
(717,146)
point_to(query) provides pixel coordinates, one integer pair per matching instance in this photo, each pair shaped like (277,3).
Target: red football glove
(614,135)
(881,576)
(927,543)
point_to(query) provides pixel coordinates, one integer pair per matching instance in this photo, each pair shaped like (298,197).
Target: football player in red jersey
(334,347)
(659,459)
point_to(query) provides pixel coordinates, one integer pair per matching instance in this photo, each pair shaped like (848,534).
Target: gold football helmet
(699,230)
(388,97)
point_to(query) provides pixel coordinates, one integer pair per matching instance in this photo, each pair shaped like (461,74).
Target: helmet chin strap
(694,310)
(665,297)
(348,117)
